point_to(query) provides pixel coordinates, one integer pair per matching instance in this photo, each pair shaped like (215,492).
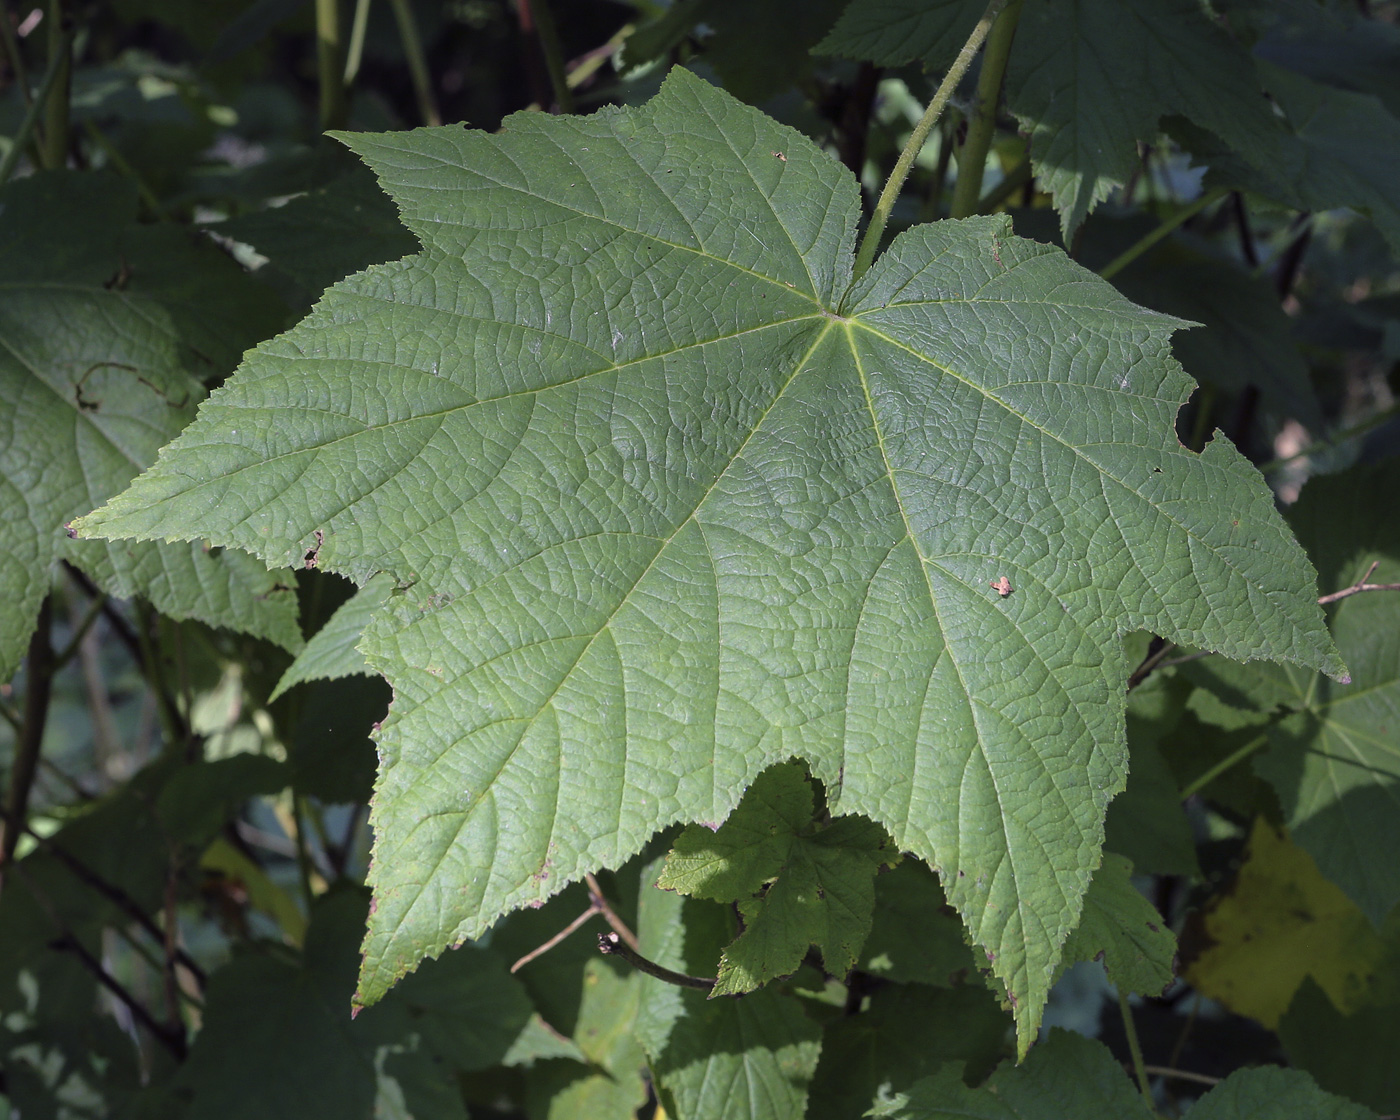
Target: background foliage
(187,734)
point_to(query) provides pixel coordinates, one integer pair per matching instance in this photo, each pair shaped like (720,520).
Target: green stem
(38,685)
(553,54)
(1020,175)
(1224,764)
(119,162)
(885,205)
(355,52)
(933,198)
(1334,441)
(329,69)
(417,62)
(982,125)
(1135,1048)
(1185,214)
(31,118)
(54,151)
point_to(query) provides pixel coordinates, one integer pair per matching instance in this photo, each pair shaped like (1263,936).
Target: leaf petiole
(871,241)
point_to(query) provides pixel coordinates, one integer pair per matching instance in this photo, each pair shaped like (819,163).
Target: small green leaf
(742,1059)
(334,650)
(796,884)
(1122,926)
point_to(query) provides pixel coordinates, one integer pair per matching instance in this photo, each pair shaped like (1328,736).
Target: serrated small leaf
(743,1059)
(677,501)
(333,652)
(1125,929)
(796,884)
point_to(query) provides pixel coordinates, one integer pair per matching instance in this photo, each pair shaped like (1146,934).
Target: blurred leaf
(96,374)
(199,798)
(905,1034)
(915,935)
(1086,81)
(1065,1077)
(1269,1093)
(325,233)
(1338,149)
(1353,1055)
(1276,923)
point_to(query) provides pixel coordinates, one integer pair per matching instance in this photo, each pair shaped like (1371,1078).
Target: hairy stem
(982,125)
(885,205)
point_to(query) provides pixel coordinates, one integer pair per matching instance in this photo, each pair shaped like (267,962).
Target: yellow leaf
(1276,923)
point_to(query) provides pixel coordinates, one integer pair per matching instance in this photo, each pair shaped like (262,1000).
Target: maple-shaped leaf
(797,883)
(674,499)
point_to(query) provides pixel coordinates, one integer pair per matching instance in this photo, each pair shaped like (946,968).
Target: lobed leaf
(677,502)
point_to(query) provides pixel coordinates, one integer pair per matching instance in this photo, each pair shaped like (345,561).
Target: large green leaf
(1087,79)
(97,363)
(677,501)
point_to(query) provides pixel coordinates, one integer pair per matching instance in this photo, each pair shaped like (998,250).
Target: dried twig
(600,903)
(1359,586)
(540,950)
(610,944)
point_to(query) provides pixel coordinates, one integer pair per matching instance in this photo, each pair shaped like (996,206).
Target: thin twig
(1359,586)
(876,230)
(38,686)
(1183,1075)
(600,900)
(540,950)
(1135,1048)
(610,944)
(1149,663)
(113,894)
(69,941)
(355,51)
(1125,258)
